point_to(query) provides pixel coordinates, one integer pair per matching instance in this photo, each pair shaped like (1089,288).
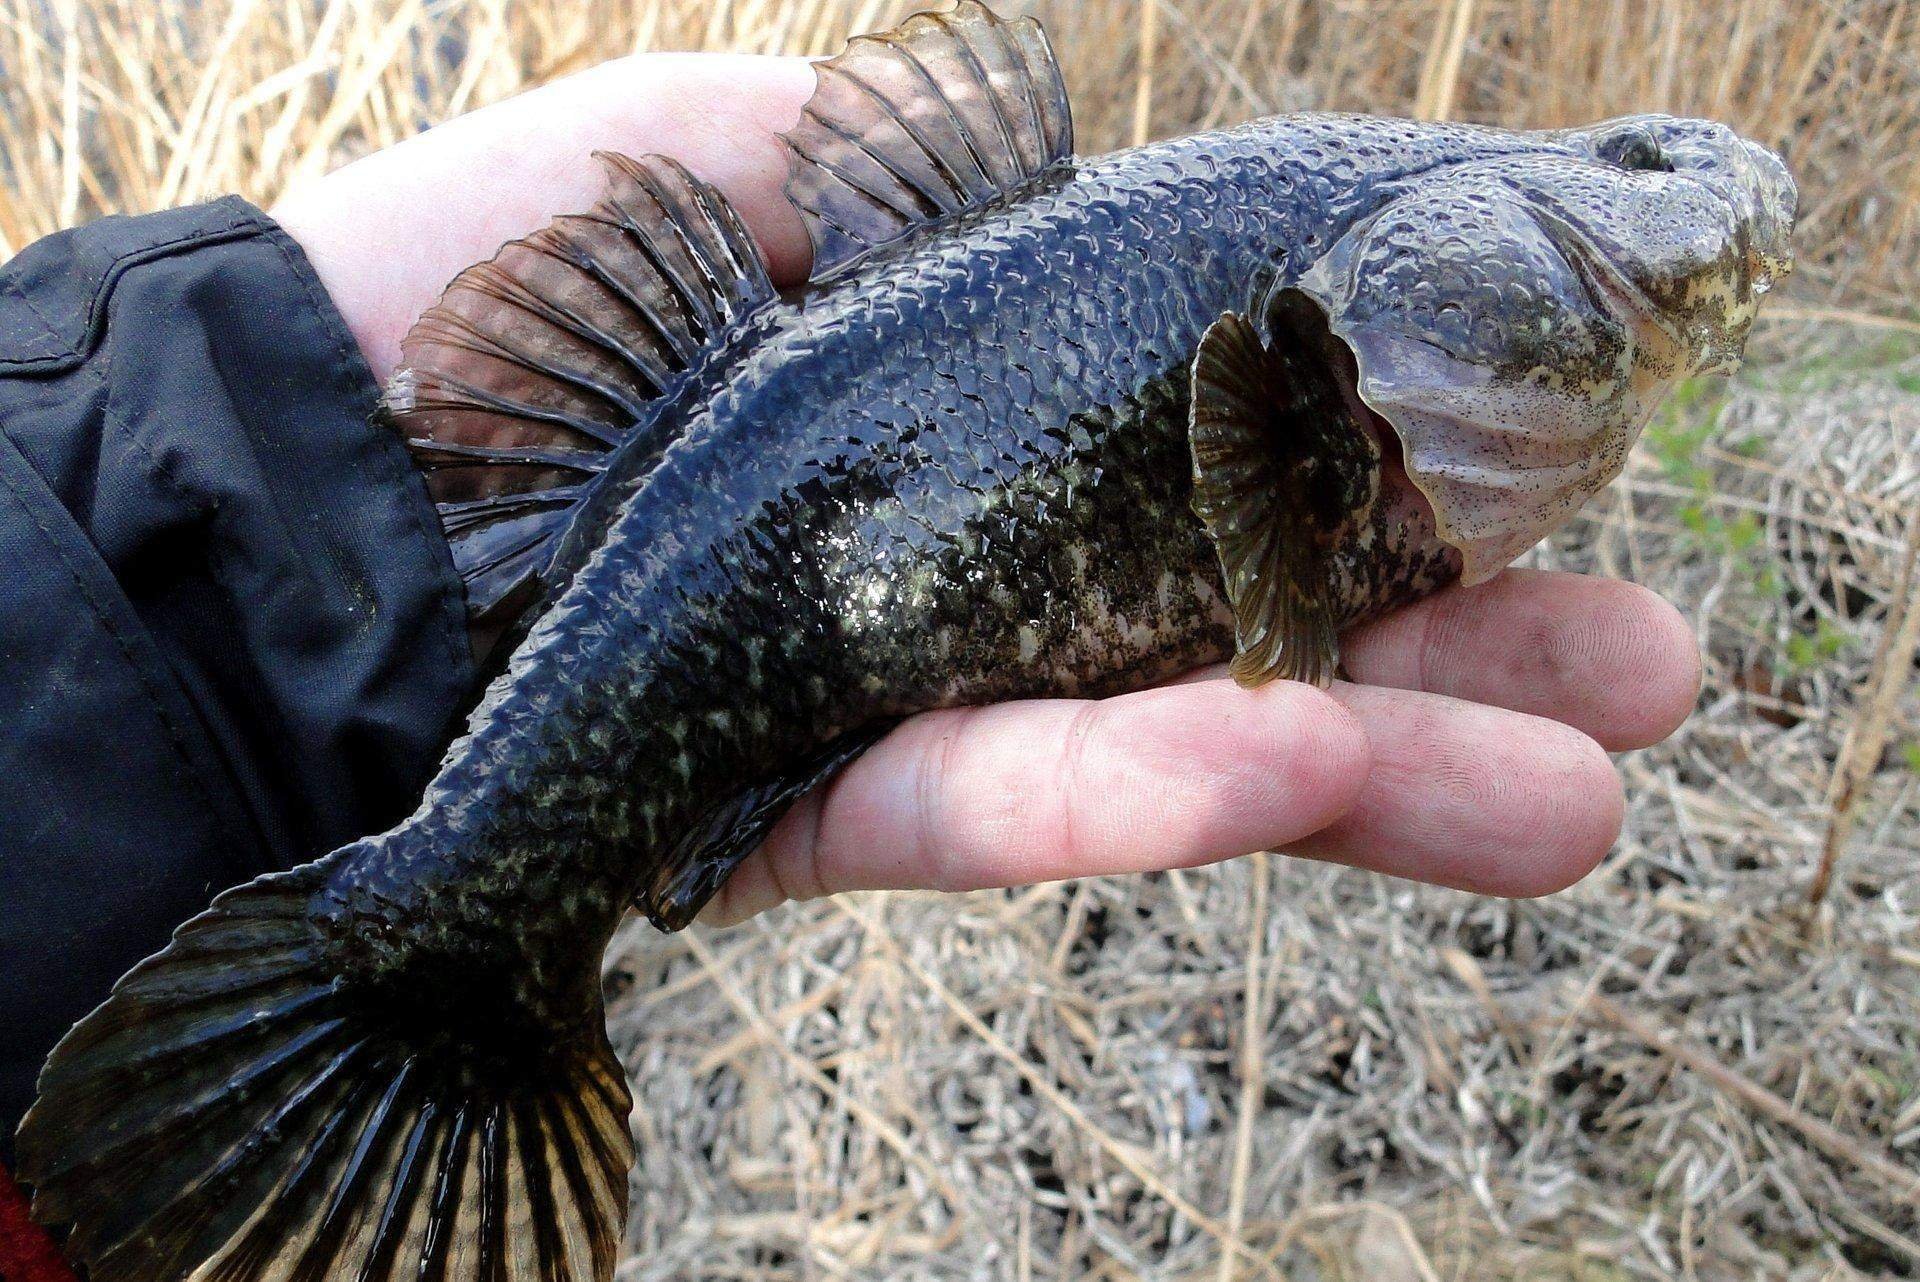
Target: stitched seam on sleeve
(58,349)
(162,469)
(241,222)
(175,738)
(453,608)
(101,372)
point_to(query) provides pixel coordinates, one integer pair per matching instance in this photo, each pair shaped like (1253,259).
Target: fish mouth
(1703,318)
(1777,201)
(1609,290)
(1705,303)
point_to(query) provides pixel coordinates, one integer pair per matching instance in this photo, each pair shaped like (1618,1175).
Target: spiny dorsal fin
(945,112)
(518,386)
(1282,473)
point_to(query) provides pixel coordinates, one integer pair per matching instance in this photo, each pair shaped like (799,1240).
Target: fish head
(1516,318)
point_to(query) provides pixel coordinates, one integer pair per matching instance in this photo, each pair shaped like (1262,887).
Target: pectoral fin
(1283,472)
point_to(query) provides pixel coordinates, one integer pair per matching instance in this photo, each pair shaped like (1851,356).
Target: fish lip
(1764,200)
(1760,200)
(1778,202)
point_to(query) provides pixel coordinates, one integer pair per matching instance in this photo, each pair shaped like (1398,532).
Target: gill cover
(1515,363)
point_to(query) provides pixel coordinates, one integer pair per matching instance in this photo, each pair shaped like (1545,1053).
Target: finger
(1473,797)
(386,233)
(1608,658)
(1042,790)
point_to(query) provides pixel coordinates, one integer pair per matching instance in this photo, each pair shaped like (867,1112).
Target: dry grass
(1270,1069)
(108,105)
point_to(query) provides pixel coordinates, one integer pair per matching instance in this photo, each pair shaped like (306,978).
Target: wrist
(387,232)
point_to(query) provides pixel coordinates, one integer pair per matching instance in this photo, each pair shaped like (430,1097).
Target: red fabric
(27,1254)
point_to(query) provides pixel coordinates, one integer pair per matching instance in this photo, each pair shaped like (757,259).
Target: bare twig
(1899,1183)
(820,1081)
(1252,1066)
(1048,1089)
(1839,315)
(1440,78)
(1887,682)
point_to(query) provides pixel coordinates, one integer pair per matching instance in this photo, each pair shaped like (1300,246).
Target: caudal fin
(235,1113)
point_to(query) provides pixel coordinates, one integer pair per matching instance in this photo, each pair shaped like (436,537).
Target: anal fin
(693,872)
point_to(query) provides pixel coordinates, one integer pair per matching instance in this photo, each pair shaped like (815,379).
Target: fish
(1037,425)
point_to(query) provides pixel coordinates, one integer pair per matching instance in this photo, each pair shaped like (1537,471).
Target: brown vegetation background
(111,105)
(1703,1062)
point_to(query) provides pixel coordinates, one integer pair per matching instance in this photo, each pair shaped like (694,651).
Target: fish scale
(1039,426)
(1069,261)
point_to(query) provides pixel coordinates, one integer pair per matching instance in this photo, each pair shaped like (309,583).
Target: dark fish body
(958,475)
(1039,426)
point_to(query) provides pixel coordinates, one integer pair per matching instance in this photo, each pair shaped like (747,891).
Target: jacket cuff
(237,638)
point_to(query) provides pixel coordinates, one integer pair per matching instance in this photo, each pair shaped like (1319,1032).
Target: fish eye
(1634,148)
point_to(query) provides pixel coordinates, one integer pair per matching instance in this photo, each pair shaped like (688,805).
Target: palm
(1475,758)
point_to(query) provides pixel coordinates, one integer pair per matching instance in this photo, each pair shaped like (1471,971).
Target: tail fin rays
(233,1113)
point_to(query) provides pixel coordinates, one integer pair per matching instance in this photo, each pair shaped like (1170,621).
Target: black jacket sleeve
(231,637)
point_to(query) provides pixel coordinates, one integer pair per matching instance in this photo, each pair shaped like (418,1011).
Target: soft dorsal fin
(945,112)
(1283,472)
(517,388)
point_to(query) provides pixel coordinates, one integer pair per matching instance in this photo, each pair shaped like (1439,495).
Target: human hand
(1473,754)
